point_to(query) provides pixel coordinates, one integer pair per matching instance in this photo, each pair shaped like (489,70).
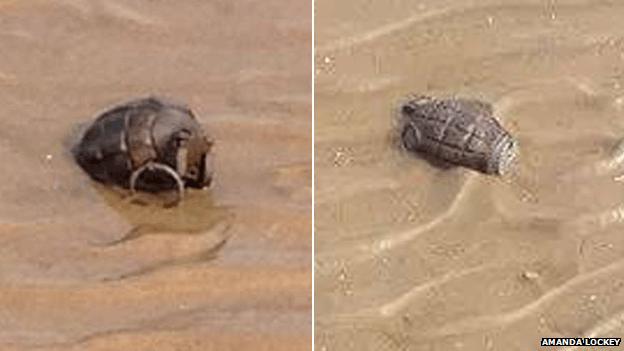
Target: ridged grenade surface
(146,131)
(459,132)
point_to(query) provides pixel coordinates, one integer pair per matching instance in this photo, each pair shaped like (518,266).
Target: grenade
(149,144)
(458,132)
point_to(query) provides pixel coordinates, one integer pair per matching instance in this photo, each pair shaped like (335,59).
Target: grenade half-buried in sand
(459,132)
(148,143)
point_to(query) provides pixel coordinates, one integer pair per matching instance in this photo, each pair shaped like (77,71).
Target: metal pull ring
(151,166)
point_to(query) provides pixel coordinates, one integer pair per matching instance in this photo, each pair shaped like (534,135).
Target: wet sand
(81,268)
(410,257)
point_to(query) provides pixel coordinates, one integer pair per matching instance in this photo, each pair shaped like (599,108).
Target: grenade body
(458,132)
(150,142)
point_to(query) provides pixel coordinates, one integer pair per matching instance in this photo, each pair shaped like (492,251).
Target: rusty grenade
(459,132)
(148,144)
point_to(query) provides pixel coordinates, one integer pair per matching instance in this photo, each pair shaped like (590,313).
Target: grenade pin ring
(151,166)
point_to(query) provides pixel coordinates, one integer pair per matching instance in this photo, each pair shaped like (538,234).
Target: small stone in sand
(530,275)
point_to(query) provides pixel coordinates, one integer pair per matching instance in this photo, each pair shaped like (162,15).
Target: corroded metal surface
(147,141)
(457,131)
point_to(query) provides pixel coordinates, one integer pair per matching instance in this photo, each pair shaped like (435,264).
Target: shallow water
(410,257)
(82,268)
